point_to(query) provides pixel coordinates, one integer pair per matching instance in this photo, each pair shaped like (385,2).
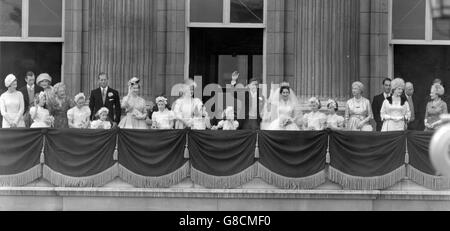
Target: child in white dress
(41,117)
(315,120)
(229,123)
(78,116)
(102,122)
(200,120)
(163,118)
(334,121)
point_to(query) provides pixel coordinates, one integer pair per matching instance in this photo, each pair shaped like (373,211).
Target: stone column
(73,46)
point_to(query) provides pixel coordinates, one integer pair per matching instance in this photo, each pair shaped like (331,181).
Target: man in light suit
(29,92)
(104,96)
(378,100)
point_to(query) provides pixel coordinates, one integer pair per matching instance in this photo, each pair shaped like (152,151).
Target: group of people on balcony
(41,105)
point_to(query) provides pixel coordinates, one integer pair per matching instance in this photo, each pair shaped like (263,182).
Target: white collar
(106,88)
(386,95)
(30,87)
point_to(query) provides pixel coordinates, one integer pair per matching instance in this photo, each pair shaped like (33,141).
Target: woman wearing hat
(12,105)
(44,80)
(102,122)
(58,104)
(186,106)
(134,106)
(79,116)
(163,118)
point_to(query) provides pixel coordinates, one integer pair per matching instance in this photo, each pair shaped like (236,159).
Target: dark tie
(103,95)
(31,95)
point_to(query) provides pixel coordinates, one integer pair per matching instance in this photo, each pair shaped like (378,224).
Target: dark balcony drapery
(217,159)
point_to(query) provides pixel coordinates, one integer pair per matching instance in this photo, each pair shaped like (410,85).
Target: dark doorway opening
(421,64)
(216,53)
(39,57)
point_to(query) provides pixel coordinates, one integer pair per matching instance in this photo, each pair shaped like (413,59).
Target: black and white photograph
(224,106)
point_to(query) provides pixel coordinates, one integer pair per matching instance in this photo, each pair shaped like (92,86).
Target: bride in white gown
(281,111)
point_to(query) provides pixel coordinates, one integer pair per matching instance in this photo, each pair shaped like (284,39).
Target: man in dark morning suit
(378,100)
(29,92)
(104,96)
(415,120)
(251,104)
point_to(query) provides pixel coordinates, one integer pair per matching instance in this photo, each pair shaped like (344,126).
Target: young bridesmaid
(102,122)
(228,123)
(334,121)
(41,117)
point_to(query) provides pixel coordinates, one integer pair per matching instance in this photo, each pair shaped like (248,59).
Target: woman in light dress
(315,120)
(102,121)
(39,115)
(189,112)
(134,105)
(334,121)
(12,105)
(358,111)
(78,116)
(163,118)
(395,112)
(282,110)
(58,103)
(435,108)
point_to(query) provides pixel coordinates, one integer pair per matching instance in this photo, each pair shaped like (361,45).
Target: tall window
(412,23)
(31,37)
(226,12)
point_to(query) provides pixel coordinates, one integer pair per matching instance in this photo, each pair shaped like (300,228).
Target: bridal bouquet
(285,121)
(138,114)
(50,121)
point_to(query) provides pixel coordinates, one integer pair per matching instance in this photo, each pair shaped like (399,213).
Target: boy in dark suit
(29,92)
(378,100)
(104,96)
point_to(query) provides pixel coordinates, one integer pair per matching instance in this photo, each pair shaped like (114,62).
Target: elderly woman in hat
(102,122)
(12,105)
(44,80)
(79,116)
(58,103)
(134,106)
(41,117)
(395,112)
(188,109)
(358,110)
(163,118)
(435,108)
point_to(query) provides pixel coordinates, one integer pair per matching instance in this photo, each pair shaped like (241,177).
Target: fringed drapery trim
(224,182)
(164,181)
(427,180)
(366,183)
(23,178)
(96,180)
(283,182)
